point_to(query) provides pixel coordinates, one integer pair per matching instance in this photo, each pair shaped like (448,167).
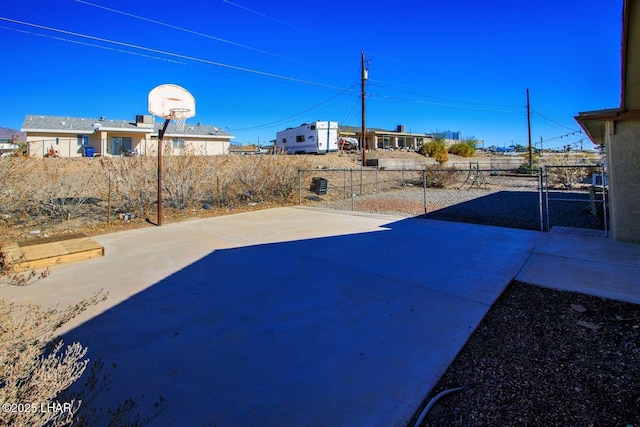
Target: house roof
(630,99)
(593,122)
(357,129)
(80,125)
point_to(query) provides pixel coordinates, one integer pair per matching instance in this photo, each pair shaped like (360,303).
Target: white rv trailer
(309,138)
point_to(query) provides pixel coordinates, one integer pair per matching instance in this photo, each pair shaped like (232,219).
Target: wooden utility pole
(529,129)
(363,142)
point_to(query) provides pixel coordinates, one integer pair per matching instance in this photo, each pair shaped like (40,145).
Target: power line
(186,30)
(501,106)
(560,136)
(269,17)
(438,104)
(551,120)
(93,45)
(271,124)
(175,55)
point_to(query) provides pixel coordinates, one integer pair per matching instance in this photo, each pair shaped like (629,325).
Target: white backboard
(171,101)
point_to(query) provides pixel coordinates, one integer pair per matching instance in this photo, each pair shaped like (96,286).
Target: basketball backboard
(171,101)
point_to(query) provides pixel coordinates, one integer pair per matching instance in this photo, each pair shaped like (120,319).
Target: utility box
(319,185)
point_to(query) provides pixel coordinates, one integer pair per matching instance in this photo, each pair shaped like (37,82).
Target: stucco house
(71,136)
(618,129)
(381,138)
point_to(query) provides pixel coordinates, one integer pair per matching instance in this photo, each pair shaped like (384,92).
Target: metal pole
(109,201)
(344,183)
(529,129)
(299,186)
(546,192)
(604,204)
(160,142)
(361,180)
(363,142)
(540,208)
(424,190)
(375,189)
(352,195)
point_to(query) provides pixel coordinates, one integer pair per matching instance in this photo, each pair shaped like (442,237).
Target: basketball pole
(160,143)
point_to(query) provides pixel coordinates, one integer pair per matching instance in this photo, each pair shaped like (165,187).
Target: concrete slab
(590,265)
(287,316)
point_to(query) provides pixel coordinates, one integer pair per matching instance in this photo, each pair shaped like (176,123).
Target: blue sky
(433,65)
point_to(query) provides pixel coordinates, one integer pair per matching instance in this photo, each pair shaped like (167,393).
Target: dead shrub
(133,183)
(439,177)
(35,366)
(185,179)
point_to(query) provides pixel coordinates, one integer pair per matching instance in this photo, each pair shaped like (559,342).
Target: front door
(120,144)
(116,145)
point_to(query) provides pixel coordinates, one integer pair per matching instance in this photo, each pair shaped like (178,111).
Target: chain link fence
(540,199)
(576,199)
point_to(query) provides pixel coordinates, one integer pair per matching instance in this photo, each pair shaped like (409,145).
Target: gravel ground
(543,357)
(503,206)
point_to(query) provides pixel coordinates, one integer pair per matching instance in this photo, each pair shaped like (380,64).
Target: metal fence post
(344,183)
(546,192)
(540,199)
(375,188)
(361,172)
(424,190)
(352,194)
(299,186)
(604,202)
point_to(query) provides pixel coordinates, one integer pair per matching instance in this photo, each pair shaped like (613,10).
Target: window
(300,138)
(284,140)
(177,143)
(313,127)
(83,139)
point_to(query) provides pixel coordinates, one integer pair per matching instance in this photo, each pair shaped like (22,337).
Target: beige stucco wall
(623,158)
(207,147)
(64,144)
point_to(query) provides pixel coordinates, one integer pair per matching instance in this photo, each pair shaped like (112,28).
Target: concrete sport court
(293,316)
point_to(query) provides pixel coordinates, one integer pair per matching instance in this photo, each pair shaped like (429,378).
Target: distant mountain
(6,133)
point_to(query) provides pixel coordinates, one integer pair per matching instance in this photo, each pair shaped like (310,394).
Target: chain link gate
(576,199)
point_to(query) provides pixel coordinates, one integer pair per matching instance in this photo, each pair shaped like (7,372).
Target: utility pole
(541,145)
(363,142)
(529,129)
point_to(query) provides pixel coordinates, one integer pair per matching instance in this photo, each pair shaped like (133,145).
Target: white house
(76,136)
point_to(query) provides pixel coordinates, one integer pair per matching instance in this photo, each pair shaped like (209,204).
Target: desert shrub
(463,149)
(185,179)
(564,173)
(435,149)
(282,176)
(35,366)
(438,177)
(133,183)
(15,176)
(9,276)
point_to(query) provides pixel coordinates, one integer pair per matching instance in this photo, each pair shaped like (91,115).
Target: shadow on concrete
(347,330)
(521,209)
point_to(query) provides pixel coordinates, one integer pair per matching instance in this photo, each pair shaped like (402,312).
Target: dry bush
(438,177)
(35,367)
(17,176)
(133,183)
(185,179)
(8,276)
(281,175)
(563,173)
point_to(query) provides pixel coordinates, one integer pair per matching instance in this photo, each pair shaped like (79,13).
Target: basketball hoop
(179,117)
